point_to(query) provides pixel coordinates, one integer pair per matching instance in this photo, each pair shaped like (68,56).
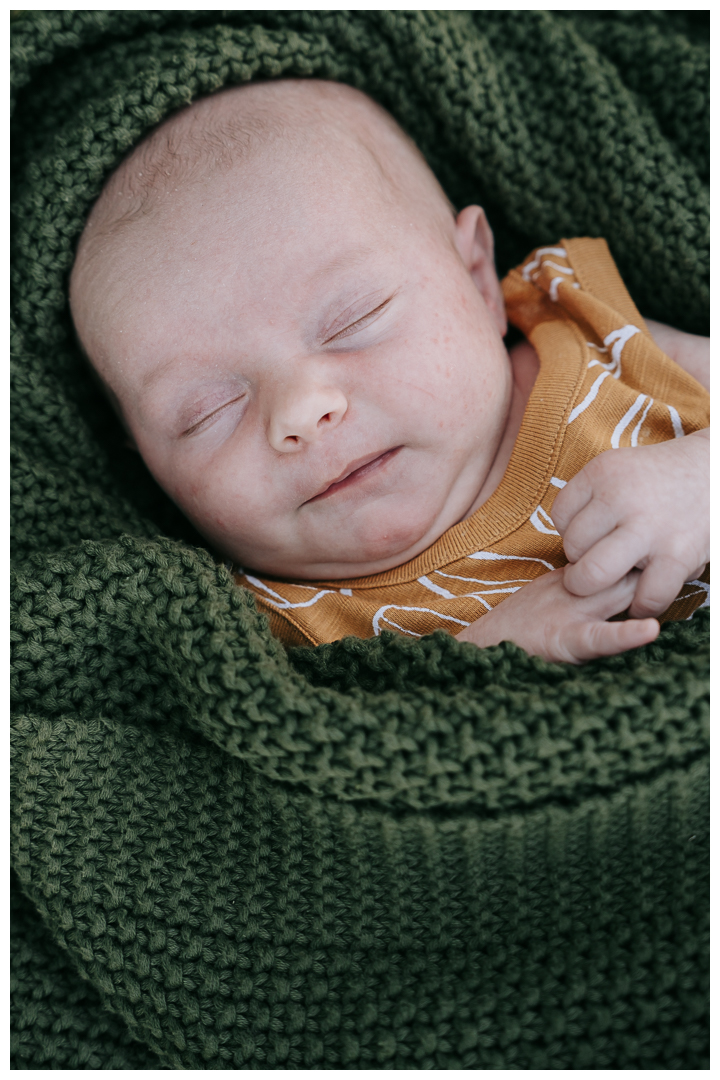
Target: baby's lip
(356,470)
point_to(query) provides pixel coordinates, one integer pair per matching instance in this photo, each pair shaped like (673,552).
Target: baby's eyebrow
(152,377)
(347,260)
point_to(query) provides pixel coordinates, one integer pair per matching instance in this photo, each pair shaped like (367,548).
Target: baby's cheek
(201,503)
(186,493)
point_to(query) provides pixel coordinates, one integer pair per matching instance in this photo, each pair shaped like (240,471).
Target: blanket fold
(160,636)
(374,854)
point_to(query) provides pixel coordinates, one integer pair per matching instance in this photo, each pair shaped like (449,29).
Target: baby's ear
(474,241)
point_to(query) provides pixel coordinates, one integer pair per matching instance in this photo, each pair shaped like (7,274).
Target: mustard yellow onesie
(603,383)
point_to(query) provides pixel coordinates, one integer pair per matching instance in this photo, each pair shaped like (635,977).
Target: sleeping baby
(304,342)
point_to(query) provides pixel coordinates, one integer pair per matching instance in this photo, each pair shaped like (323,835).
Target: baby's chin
(359,548)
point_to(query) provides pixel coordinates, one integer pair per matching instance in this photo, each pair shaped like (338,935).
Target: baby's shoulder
(690,351)
(525,364)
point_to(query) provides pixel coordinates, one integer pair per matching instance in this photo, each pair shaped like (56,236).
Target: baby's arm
(546,620)
(645,507)
(690,351)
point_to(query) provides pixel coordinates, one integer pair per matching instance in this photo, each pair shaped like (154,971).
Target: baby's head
(302,339)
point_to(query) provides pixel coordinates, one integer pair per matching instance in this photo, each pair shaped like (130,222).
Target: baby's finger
(607,639)
(590,525)
(659,584)
(576,494)
(605,563)
(610,601)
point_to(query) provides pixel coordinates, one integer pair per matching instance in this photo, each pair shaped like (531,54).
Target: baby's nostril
(325,417)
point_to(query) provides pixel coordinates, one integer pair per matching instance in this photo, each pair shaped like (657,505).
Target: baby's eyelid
(357,323)
(203,420)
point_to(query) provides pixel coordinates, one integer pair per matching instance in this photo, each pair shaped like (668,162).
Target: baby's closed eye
(206,419)
(355,324)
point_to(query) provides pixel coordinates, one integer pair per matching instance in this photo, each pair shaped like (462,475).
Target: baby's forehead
(287,119)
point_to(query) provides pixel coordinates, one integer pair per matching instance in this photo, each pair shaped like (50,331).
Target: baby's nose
(303,415)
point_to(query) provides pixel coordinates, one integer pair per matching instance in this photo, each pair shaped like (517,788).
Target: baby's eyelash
(200,423)
(354,326)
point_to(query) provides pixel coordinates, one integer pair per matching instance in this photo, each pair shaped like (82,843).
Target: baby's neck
(525,366)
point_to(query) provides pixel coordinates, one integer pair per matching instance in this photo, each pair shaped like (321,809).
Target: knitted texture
(374,854)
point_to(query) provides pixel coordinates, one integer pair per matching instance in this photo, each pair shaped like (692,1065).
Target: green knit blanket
(374,854)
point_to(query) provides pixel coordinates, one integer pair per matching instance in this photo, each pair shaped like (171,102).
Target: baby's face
(306,364)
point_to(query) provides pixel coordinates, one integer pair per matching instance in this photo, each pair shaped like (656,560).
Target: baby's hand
(546,620)
(645,507)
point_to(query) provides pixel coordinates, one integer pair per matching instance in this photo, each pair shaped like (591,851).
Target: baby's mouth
(356,471)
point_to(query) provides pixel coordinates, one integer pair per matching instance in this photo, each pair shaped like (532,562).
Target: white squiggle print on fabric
(600,348)
(380,614)
(676,422)
(704,587)
(437,588)
(556,266)
(492,556)
(279,601)
(589,397)
(527,270)
(552,291)
(539,518)
(482,581)
(447,595)
(531,272)
(618,339)
(478,594)
(636,429)
(557,483)
(626,419)
(554,287)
